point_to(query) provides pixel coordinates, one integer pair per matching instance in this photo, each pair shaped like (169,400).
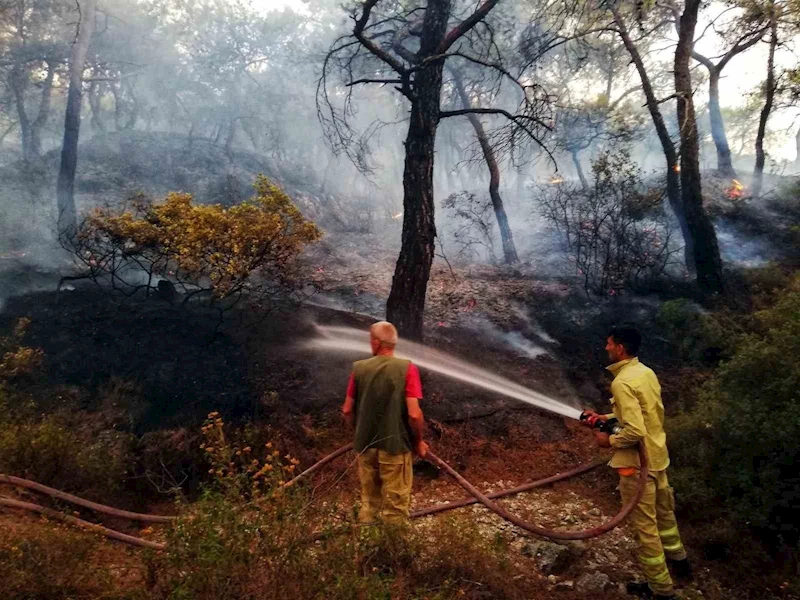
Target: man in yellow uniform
(636,402)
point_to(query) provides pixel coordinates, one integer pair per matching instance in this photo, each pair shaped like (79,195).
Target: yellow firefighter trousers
(656,527)
(385,486)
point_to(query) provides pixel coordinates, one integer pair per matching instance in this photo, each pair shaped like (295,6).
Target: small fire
(735,190)
(397,216)
(677,168)
(555,180)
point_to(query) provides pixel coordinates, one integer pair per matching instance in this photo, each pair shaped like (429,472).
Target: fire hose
(477,496)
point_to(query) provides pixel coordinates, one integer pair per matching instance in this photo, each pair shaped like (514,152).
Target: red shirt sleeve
(351,387)
(413,383)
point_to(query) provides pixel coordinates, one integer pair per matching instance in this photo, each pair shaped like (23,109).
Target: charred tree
(65,190)
(412,44)
(769,98)
(31,130)
(667,145)
(509,249)
(701,229)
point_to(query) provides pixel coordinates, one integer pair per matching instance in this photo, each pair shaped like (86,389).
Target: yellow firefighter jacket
(637,405)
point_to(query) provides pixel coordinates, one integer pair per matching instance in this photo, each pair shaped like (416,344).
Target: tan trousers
(656,527)
(385,486)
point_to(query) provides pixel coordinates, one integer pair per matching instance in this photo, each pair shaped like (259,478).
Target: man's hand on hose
(603,439)
(588,417)
(421,448)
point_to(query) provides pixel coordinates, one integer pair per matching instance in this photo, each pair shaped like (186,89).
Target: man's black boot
(681,570)
(642,590)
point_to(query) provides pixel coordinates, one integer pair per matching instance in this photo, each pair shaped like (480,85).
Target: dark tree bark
(94,96)
(65,190)
(509,249)
(701,229)
(31,131)
(410,282)
(670,154)
(769,98)
(576,161)
(418,76)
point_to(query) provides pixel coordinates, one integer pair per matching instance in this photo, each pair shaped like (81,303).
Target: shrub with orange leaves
(250,250)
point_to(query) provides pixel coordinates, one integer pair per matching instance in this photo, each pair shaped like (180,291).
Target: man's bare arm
(416,421)
(348,412)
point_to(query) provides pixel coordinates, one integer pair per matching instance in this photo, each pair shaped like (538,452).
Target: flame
(735,190)
(677,168)
(396,216)
(555,180)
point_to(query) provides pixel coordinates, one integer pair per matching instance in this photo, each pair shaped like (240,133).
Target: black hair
(628,337)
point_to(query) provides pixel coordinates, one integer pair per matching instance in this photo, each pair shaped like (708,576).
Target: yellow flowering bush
(241,471)
(248,250)
(15,358)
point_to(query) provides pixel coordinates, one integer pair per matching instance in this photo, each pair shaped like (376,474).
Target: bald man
(382,404)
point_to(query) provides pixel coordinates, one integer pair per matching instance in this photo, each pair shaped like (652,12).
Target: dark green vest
(381,413)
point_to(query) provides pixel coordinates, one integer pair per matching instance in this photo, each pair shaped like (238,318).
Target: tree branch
(358,32)
(358,81)
(466,25)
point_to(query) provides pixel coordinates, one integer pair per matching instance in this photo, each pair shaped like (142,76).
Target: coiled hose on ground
(477,496)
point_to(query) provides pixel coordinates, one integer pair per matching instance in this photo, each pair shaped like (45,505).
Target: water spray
(349,339)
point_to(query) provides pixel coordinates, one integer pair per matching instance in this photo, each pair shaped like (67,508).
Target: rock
(552,579)
(548,557)
(565,586)
(589,583)
(595,512)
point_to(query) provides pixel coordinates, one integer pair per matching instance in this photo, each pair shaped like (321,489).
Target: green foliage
(68,450)
(696,334)
(46,563)
(741,443)
(251,537)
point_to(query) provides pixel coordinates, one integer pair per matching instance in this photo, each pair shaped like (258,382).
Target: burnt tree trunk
(670,154)
(94,94)
(724,162)
(576,161)
(65,190)
(769,98)
(509,249)
(706,250)
(410,282)
(31,131)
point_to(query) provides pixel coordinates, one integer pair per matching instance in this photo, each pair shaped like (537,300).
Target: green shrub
(741,443)
(250,537)
(48,563)
(67,450)
(697,335)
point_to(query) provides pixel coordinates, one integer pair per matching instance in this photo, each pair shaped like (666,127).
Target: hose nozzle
(610,426)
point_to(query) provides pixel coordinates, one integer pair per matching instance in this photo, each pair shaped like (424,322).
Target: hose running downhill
(477,496)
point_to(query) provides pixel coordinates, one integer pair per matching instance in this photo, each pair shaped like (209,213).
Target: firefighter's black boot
(681,570)
(642,590)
